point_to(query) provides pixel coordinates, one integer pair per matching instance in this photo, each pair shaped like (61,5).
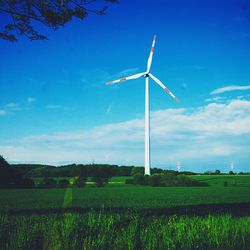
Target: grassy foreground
(99,230)
(121,216)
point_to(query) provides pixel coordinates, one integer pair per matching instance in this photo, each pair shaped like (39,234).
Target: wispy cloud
(52,106)
(9,108)
(126,72)
(31,99)
(229,88)
(13,106)
(216,99)
(3,112)
(94,78)
(97,77)
(215,132)
(109,108)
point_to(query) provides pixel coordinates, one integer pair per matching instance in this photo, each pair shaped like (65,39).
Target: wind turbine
(147,74)
(178,165)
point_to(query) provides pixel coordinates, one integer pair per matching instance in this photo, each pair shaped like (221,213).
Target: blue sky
(55,107)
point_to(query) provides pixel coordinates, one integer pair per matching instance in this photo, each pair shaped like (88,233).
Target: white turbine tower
(147,74)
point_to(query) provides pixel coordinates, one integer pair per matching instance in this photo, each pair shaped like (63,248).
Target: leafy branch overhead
(21,16)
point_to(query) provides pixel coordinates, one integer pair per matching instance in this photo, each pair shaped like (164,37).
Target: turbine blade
(127,78)
(163,86)
(151,54)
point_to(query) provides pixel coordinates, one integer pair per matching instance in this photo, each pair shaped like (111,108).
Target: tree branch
(50,13)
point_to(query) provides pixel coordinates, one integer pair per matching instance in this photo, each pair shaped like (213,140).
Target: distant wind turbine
(232,166)
(178,165)
(147,74)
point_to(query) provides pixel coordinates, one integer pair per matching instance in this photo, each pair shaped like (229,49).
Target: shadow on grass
(235,209)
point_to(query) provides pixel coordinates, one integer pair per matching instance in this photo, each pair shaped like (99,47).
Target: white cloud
(216,99)
(215,132)
(31,99)
(229,88)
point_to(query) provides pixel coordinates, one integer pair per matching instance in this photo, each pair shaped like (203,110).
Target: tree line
(89,170)
(21,175)
(165,180)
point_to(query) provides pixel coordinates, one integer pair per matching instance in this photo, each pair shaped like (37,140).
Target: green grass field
(120,197)
(128,216)
(218,180)
(128,230)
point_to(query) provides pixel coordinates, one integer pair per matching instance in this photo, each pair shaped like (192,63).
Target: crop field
(141,197)
(119,195)
(120,216)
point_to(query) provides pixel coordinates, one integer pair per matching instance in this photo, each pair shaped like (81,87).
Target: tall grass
(100,230)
